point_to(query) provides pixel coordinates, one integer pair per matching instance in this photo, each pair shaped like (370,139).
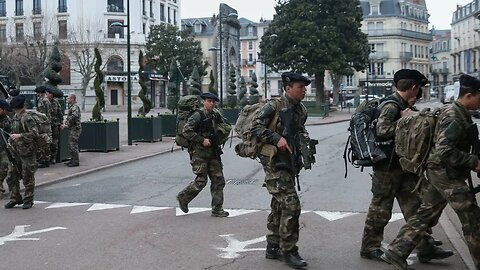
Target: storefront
(116,89)
(378,87)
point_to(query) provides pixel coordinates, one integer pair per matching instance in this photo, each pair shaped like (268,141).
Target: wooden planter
(169,124)
(146,129)
(231,114)
(99,136)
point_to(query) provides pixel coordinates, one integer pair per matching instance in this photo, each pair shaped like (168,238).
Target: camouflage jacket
(6,125)
(44,106)
(267,114)
(56,113)
(389,115)
(25,145)
(200,125)
(74,117)
(452,143)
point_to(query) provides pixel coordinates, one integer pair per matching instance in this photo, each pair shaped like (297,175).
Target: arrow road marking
(236,246)
(19,231)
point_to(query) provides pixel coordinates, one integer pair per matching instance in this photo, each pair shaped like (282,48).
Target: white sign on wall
(116,78)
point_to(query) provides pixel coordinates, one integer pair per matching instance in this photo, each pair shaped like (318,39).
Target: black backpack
(362,148)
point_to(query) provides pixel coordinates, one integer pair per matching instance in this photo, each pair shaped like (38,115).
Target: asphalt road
(126,218)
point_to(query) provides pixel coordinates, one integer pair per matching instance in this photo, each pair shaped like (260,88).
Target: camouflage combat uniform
(43,152)
(283,220)
(5,124)
(206,161)
(56,121)
(73,122)
(448,166)
(389,181)
(25,156)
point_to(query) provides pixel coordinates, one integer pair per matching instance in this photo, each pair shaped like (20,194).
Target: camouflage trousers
(204,169)
(436,193)
(389,183)
(283,220)
(54,144)
(4,162)
(73,136)
(43,148)
(28,166)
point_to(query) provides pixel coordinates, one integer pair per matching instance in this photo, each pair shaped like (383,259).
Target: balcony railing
(19,12)
(379,56)
(62,9)
(399,32)
(406,56)
(37,11)
(246,62)
(440,70)
(114,8)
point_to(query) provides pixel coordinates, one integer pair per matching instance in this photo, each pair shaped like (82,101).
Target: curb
(457,241)
(327,123)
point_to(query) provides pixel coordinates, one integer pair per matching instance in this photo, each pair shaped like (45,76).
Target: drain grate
(241,181)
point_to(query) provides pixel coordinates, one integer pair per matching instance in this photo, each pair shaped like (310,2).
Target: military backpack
(44,128)
(414,139)
(186,106)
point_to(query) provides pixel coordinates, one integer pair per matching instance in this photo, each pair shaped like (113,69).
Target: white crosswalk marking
(395,217)
(143,209)
(191,210)
(62,205)
(239,212)
(332,216)
(103,206)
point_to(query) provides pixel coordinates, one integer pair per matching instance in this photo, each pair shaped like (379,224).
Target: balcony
(19,12)
(379,56)
(62,9)
(406,56)
(37,11)
(400,32)
(442,71)
(246,62)
(114,8)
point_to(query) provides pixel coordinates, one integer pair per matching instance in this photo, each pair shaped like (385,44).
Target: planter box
(169,124)
(231,114)
(99,136)
(63,152)
(146,129)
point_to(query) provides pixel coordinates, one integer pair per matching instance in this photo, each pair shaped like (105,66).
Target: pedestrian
(205,156)
(43,106)
(73,122)
(448,166)
(5,129)
(282,167)
(22,137)
(389,181)
(56,121)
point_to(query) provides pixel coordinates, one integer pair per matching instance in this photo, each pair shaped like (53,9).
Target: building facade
(77,25)
(440,68)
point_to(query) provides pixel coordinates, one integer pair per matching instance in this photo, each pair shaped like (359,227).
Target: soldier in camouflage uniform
(43,106)
(281,169)
(5,129)
(22,141)
(448,166)
(56,121)
(389,181)
(205,157)
(73,122)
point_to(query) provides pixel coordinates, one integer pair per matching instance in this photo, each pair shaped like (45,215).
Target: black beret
(209,96)
(410,74)
(18,102)
(40,89)
(14,92)
(295,77)
(4,105)
(469,81)
(49,90)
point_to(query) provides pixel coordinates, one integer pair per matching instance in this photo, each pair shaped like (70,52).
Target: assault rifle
(473,135)
(286,118)
(10,156)
(308,151)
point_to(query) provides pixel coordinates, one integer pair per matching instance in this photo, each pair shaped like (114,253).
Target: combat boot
(2,189)
(433,253)
(12,204)
(183,205)
(293,259)
(372,255)
(27,205)
(273,252)
(392,258)
(220,213)
(73,164)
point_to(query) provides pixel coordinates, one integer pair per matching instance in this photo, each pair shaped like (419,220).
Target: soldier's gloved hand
(206,142)
(282,145)
(15,136)
(407,111)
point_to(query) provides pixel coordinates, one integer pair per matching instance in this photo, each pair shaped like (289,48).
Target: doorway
(114,97)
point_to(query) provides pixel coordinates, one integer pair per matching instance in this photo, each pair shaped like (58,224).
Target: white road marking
(62,205)
(331,216)
(239,212)
(191,210)
(395,217)
(103,206)
(143,209)
(19,231)
(236,246)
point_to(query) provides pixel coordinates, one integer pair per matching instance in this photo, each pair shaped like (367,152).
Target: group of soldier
(23,148)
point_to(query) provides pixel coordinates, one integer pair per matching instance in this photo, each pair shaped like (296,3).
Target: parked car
(351,102)
(450,93)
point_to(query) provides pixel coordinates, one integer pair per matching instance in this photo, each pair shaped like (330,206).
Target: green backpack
(186,106)
(414,139)
(44,128)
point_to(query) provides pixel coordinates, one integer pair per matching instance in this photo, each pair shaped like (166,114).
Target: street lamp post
(129,79)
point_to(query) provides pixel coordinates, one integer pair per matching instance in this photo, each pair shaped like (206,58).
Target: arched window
(115,64)
(66,70)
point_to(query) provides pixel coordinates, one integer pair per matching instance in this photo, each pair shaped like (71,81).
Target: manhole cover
(241,181)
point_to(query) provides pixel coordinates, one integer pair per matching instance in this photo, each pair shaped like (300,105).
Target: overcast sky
(440,10)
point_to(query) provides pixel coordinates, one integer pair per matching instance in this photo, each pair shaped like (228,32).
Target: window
(371,68)
(175,17)
(37,30)
(168,15)
(115,64)
(115,6)
(380,69)
(144,11)
(37,7)
(3,33)
(374,10)
(250,30)
(144,28)
(250,45)
(62,6)
(349,80)
(250,73)
(198,28)
(18,7)
(62,29)
(19,32)
(3,8)
(162,12)
(151,9)
(66,70)
(114,31)
(250,57)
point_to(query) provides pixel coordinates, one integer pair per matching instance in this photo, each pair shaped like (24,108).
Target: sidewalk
(94,161)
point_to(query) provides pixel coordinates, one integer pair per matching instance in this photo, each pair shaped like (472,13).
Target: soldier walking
(56,121)
(73,122)
(205,157)
(43,106)
(22,139)
(5,129)
(281,169)
(448,166)
(389,181)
